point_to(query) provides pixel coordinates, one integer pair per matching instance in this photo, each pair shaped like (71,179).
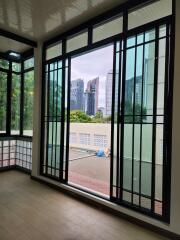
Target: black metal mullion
(112,120)
(142,102)
(8,106)
(125,26)
(22,100)
(56,115)
(134,99)
(156,63)
(68,90)
(52,120)
(165,127)
(118,121)
(62,112)
(48,107)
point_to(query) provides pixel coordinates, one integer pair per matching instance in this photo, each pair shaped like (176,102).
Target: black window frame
(24,56)
(122,9)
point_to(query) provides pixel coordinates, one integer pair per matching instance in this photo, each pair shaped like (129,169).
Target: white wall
(174,225)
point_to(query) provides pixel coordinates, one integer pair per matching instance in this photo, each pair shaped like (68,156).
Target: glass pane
(15,104)
(28,103)
(54,51)
(107,29)
(131,41)
(162,31)
(127,159)
(136,156)
(150,35)
(16,67)
(76,42)
(148,13)
(3,101)
(29,63)
(129,84)
(161,77)
(138,87)
(140,38)
(146,164)
(159,162)
(148,84)
(4,64)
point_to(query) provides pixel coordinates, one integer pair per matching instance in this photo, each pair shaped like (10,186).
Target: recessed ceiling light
(14,54)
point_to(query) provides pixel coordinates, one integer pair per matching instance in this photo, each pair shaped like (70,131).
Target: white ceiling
(42,19)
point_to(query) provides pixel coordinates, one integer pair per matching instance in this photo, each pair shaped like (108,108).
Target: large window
(16,97)
(111,135)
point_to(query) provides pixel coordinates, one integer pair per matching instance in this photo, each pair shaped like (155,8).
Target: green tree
(79,117)
(98,118)
(28,100)
(3,100)
(15,102)
(15,97)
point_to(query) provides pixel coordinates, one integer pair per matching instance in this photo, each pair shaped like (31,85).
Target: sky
(91,65)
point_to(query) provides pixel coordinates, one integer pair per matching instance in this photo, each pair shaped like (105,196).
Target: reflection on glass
(149,77)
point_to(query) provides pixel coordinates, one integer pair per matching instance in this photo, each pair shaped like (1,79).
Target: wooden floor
(31,210)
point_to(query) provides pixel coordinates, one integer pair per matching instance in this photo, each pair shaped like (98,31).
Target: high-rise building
(129,90)
(108,96)
(77,94)
(91,97)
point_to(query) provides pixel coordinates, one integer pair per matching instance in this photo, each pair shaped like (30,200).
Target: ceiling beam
(18,38)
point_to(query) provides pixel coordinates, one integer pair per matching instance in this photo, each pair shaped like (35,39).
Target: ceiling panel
(42,19)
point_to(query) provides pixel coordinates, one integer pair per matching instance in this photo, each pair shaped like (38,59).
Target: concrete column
(37,110)
(175,187)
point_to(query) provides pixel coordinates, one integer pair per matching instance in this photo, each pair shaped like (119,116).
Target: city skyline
(92,65)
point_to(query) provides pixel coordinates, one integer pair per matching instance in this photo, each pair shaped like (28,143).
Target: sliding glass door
(105,128)
(53,119)
(139,126)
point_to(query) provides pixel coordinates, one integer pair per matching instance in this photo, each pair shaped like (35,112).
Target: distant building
(108,94)
(91,97)
(129,90)
(77,95)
